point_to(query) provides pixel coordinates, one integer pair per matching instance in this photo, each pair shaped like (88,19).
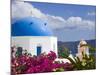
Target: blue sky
(68,22)
(65,11)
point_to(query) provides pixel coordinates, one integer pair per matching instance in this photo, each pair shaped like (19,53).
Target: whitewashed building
(33,35)
(82,47)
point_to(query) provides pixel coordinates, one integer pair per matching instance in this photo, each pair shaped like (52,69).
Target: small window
(31,23)
(45,24)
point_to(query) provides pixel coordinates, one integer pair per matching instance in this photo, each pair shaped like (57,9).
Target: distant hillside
(73,45)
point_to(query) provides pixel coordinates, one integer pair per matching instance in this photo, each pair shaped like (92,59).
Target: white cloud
(80,23)
(55,22)
(72,22)
(23,9)
(19,9)
(92,13)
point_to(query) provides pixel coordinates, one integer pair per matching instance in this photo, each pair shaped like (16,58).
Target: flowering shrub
(87,62)
(25,64)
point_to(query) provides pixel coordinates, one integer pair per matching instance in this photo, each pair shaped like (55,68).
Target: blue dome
(30,26)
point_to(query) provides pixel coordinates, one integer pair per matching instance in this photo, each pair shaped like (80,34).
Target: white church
(82,48)
(33,35)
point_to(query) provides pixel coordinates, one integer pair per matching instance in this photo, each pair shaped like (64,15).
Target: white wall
(46,42)
(20,42)
(54,44)
(30,43)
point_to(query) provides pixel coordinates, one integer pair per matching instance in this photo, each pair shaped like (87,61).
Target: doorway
(39,50)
